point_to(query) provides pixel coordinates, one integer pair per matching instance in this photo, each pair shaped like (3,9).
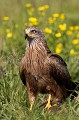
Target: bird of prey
(42,71)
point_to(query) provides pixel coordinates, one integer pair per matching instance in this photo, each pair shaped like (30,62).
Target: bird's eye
(33,31)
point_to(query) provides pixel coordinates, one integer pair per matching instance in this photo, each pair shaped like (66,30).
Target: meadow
(59,20)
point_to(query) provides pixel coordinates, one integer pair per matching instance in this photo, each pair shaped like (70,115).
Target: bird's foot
(55,105)
(48,106)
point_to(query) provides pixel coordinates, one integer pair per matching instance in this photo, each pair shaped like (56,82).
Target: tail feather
(75,88)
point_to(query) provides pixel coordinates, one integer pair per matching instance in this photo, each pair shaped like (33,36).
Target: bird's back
(59,72)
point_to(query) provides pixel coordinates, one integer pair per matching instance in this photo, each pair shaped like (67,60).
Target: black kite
(44,72)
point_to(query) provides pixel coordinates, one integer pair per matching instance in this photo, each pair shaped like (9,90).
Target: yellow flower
(59,45)
(28,5)
(71,28)
(33,21)
(50,20)
(75,41)
(58,48)
(7,30)
(6,18)
(76,27)
(62,27)
(58,35)
(77,46)
(42,8)
(73,52)
(31,10)
(77,35)
(62,16)
(55,15)
(46,6)
(9,35)
(69,32)
(48,30)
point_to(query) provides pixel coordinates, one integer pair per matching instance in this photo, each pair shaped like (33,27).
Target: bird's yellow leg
(31,106)
(32,95)
(32,100)
(48,105)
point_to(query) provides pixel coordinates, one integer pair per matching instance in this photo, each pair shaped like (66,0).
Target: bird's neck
(40,49)
(35,56)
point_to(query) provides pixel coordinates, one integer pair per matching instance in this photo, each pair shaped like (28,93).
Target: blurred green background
(59,20)
(15,8)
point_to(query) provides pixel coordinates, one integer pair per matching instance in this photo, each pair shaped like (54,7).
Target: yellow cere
(48,30)
(75,41)
(62,27)
(28,5)
(58,35)
(9,35)
(6,18)
(58,49)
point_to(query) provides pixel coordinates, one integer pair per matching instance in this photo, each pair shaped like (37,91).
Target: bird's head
(33,33)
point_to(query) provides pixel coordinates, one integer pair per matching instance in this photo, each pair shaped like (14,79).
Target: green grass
(14,103)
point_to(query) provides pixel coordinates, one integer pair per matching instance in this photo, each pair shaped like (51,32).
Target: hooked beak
(26,36)
(26,33)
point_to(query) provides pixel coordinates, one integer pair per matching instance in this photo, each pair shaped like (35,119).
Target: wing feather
(59,71)
(22,71)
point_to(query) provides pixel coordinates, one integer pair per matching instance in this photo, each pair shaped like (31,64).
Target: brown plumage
(44,72)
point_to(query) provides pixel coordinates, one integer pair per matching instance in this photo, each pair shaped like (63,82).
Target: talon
(48,105)
(54,105)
